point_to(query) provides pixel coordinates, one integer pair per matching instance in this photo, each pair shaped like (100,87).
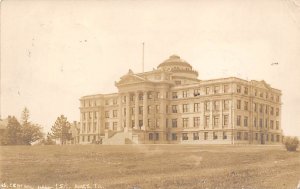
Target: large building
(170,105)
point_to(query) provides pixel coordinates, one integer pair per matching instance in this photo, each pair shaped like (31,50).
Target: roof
(174,60)
(3,123)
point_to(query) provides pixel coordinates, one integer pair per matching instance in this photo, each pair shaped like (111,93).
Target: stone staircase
(119,138)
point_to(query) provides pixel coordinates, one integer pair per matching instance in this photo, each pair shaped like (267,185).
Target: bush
(291,143)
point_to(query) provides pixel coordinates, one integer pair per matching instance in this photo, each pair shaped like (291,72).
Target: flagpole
(143,56)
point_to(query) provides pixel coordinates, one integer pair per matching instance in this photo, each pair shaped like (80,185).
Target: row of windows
(197,92)
(257,136)
(89,127)
(255,122)
(257,107)
(196,121)
(207,106)
(266,95)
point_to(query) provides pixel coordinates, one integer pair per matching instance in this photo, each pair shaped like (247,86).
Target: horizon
(53,53)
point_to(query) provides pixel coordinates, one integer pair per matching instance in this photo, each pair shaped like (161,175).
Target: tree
(48,140)
(30,132)
(60,129)
(13,132)
(291,143)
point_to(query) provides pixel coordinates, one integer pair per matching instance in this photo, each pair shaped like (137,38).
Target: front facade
(170,105)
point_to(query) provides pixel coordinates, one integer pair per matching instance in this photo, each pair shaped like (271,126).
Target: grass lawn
(151,166)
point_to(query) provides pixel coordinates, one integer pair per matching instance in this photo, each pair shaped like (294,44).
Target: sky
(54,52)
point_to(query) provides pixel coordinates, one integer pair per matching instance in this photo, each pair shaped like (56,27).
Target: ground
(151,166)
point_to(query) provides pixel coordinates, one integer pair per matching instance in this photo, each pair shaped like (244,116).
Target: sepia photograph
(142,94)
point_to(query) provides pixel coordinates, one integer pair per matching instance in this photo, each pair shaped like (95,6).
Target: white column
(136,111)
(145,110)
(120,113)
(128,111)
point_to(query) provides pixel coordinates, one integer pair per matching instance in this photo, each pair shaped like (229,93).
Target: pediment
(130,79)
(262,84)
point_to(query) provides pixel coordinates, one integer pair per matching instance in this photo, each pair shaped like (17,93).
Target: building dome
(181,70)
(174,61)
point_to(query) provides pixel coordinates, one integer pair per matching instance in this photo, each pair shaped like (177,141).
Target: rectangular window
(174,108)
(277,138)
(225,120)
(115,101)
(197,92)
(174,123)
(185,122)
(151,136)
(196,107)
(115,113)
(167,109)
(246,90)
(277,125)
(196,121)
(140,110)
(174,95)
(149,123)
(174,136)
(156,136)
(271,124)
(267,109)
(216,89)
(245,136)
(205,135)
(216,105)
(185,136)
(150,95)
(238,104)
(277,111)
(238,89)
(215,135)
(216,121)
(184,94)
(255,107)
(256,136)
(167,123)
(185,108)
(245,121)
(106,114)
(195,136)
(207,120)
(266,123)
(272,111)
(238,121)
(224,135)
(115,126)
(207,106)
(238,135)
(140,123)
(260,123)
(141,96)
(246,106)
(149,109)
(95,115)
(226,105)
(207,90)
(255,122)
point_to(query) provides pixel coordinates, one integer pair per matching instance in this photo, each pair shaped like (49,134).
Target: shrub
(291,143)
